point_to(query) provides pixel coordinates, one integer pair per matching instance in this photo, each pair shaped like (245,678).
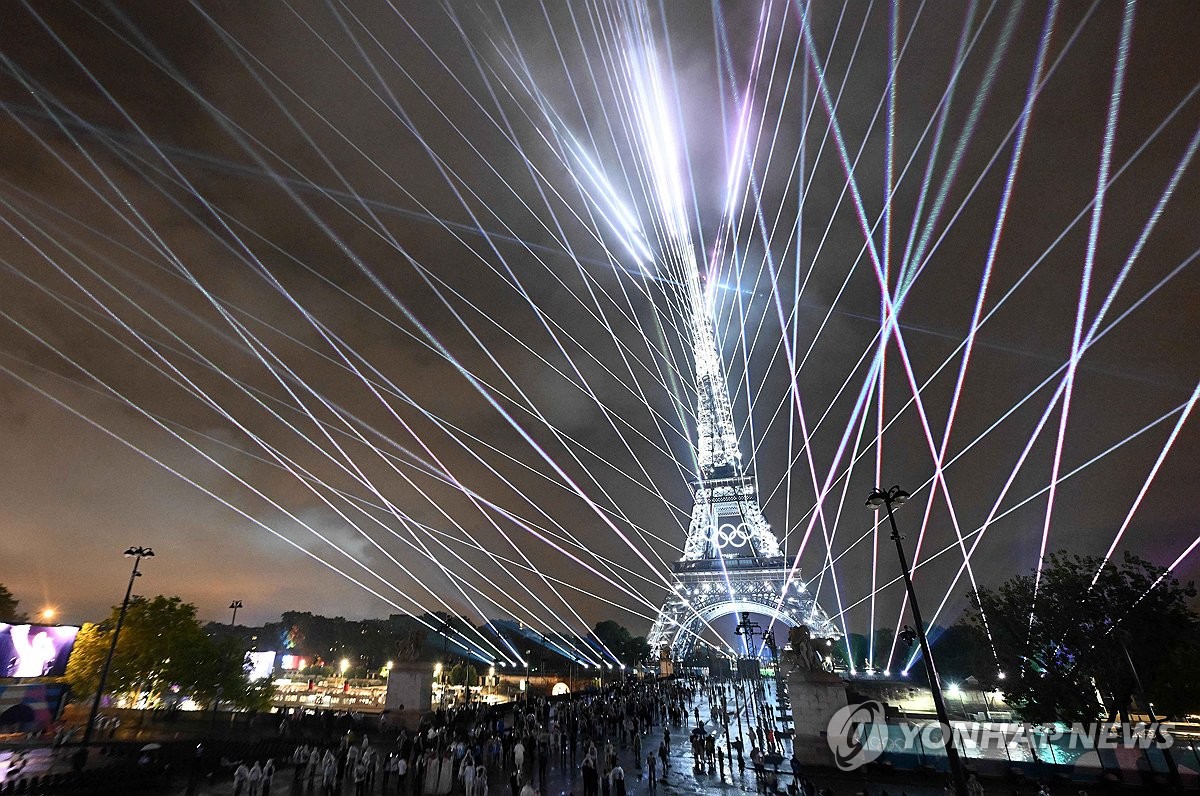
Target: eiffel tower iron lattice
(731,559)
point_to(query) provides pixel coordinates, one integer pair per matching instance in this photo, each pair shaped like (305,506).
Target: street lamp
(880,498)
(234,606)
(446,630)
(137,554)
(1122,637)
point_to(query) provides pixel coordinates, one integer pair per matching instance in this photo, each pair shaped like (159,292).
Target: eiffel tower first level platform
(706,589)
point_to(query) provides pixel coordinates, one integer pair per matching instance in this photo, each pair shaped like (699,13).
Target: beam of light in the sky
(1110,131)
(985,279)
(610,207)
(1032,496)
(965,136)
(404,117)
(1049,249)
(1162,455)
(942,114)
(357,475)
(891,329)
(211,460)
(625,40)
(276,457)
(466,373)
(177,376)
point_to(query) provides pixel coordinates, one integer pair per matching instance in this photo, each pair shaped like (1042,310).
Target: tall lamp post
(1122,637)
(886,499)
(447,628)
(137,554)
(234,606)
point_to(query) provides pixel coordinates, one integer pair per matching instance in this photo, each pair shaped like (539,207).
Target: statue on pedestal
(807,654)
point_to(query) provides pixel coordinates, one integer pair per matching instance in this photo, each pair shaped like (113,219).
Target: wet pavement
(681,778)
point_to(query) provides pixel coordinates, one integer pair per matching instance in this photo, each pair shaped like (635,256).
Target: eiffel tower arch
(731,559)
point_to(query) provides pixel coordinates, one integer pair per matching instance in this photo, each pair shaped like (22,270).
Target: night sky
(249,253)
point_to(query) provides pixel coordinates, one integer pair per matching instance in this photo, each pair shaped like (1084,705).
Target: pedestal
(409,694)
(814,696)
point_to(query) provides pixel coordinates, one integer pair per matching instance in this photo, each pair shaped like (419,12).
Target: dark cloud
(252,147)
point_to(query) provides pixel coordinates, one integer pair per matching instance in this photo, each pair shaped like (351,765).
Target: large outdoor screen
(260,665)
(35,650)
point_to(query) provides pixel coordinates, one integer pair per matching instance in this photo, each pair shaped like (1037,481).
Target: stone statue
(408,648)
(808,653)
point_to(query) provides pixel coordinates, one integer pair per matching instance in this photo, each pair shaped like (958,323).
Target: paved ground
(681,779)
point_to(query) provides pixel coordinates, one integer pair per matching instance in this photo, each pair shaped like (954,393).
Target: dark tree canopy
(1070,647)
(631,650)
(161,646)
(8,608)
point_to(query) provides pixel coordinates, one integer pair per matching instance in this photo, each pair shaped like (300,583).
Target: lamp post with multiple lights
(137,554)
(234,605)
(887,499)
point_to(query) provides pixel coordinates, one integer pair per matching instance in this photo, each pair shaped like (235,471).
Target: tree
(1058,650)
(8,608)
(962,650)
(464,674)
(163,654)
(629,649)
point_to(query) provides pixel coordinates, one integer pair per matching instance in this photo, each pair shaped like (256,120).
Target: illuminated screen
(259,665)
(291,663)
(35,650)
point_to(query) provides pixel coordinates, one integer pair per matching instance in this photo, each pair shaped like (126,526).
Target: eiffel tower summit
(731,560)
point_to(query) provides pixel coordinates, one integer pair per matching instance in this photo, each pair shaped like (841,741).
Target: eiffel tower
(731,560)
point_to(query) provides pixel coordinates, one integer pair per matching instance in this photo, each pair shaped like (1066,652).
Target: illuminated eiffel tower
(731,560)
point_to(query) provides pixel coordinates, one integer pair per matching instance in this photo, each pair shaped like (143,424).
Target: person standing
(617,777)
(329,774)
(389,768)
(299,758)
(589,775)
(268,775)
(650,771)
(401,774)
(360,777)
(519,759)
(312,766)
(241,775)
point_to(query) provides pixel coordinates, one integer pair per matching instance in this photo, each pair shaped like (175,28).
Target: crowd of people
(602,741)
